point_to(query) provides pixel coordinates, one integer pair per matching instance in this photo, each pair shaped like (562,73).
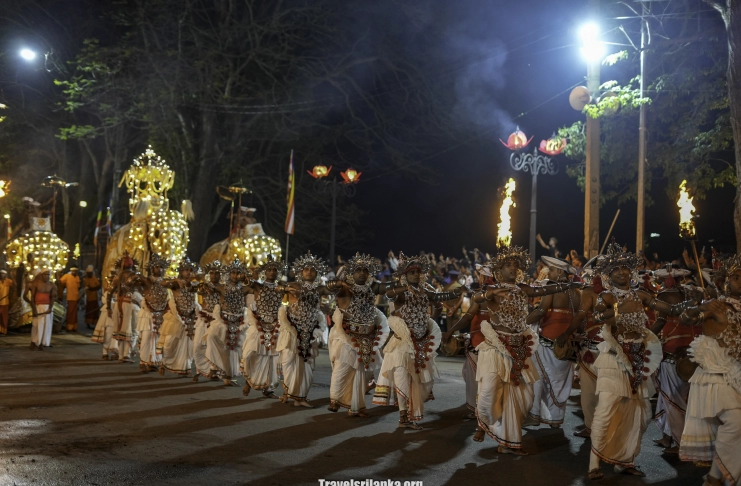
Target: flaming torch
(687,225)
(504,228)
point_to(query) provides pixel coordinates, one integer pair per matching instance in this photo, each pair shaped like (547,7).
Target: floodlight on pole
(27,54)
(592,48)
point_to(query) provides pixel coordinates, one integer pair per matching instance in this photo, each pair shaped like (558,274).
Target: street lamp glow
(592,48)
(593,52)
(589,32)
(83,204)
(28,54)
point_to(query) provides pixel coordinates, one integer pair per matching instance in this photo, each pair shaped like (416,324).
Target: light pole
(534,163)
(335,187)
(593,51)
(83,205)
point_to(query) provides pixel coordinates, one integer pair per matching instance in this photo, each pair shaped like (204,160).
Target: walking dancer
(210,298)
(587,351)
(556,313)
(226,334)
(259,355)
(629,354)
(359,329)
(675,341)
(712,430)
(300,327)
(175,343)
(506,372)
(126,311)
(43,295)
(476,314)
(408,371)
(156,304)
(105,328)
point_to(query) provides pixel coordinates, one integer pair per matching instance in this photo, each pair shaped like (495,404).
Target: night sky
(535,55)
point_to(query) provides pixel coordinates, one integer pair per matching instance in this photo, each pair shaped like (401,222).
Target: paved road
(66,417)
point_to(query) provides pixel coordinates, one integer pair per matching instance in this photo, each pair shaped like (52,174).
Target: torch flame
(504,233)
(686,208)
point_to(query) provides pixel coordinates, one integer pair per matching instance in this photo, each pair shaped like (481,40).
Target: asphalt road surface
(69,418)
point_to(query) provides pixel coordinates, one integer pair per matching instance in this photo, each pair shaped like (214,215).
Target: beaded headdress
(616,258)
(214,266)
(185,263)
(362,261)
(270,261)
(308,260)
(157,261)
(234,266)
(730,265)
(407,263)
(126,260)
(507,253)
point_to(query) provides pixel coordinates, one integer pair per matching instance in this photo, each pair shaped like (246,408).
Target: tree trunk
(203,188)
(731,13)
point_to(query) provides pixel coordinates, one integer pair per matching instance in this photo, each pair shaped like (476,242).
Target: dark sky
(407,215)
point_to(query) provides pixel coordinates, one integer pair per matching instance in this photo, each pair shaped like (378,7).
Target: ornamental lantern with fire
(517,140)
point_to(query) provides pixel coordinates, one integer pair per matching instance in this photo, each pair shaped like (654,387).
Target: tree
(689,134)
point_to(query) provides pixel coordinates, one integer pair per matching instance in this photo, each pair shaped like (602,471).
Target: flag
(97,225)
(289,197)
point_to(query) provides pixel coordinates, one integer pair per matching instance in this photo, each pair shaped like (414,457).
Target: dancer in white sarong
(43,294)
(587,352)
(506,371)
(104,328)
(408,372)
(300,326)
(474,316)
(125,312)
(629,354)
(712,430)
(260,357)
(359,329)
(556,313)
(675,341)
(152,314)
(210,299)
(175,344)
(225,336)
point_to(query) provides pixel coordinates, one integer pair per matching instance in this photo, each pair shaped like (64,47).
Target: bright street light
(28,54)
(83,204)
(592,48)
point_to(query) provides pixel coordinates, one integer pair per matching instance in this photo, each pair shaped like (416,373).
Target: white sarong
(104,329)
(712,430)
(671,406)
(398,381)
(259,359)
(553,389)
(221,356)
(349,383)
(298,373)
(502,405)
(174,346)
(41,326)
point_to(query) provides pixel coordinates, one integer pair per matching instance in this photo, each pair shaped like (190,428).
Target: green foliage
(687,119)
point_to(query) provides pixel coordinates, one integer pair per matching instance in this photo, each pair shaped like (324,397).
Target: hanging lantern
(320,171)
(517,140)
(350,176)
(552,146)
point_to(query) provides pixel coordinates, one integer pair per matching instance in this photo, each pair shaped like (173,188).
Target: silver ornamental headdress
(235,266)
(308,260)
(507,253)
(270,261)
(214,266)
(157,261)
(616,258)
(362,261)
(730,265)
(185,263)
(407,263)
(124,258)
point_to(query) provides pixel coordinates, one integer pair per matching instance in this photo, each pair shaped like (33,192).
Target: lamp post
(335,187)
(83,205)
(593,51)
(534,163)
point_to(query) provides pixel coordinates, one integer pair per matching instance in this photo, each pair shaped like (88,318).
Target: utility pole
(592,171)
(640,223)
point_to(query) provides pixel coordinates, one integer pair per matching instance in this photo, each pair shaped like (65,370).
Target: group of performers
(524,344)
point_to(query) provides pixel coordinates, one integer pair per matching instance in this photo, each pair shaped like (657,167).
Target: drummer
(675,340)
(476,313)
(555,313)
